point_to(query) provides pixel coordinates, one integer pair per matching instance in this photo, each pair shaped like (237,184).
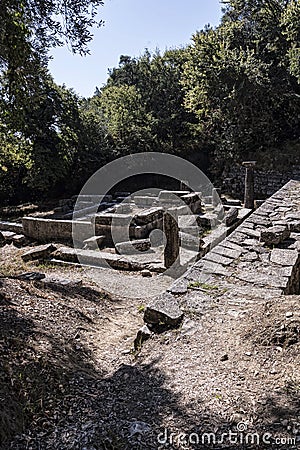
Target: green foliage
(234,93)
(127,121)
(14,162)
(240,79)
(143,104)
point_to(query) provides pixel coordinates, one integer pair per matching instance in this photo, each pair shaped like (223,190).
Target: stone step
(102,259)
(11,226)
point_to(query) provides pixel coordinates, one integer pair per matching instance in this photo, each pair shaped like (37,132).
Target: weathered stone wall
(266,181)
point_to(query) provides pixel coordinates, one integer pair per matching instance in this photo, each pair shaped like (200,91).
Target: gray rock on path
(274,235)
(57,282)
(40,252)
(146,273)
(31,276)
(142,335)
(163,310)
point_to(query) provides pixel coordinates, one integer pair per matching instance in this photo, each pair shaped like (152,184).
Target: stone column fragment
(249,184)
(171,230)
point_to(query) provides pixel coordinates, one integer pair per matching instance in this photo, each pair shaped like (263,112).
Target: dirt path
(69,380)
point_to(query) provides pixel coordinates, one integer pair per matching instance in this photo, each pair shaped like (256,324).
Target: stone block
(163,310)
(7,236)
(144,200)
(11,226)
(113,218)
(40,252)
(149,215)
(171,195)
(231,216)
(19,240)
(132,247)
(94,243)
(285,257)
(208,221)
(274,235)
(190,242)
(44,230)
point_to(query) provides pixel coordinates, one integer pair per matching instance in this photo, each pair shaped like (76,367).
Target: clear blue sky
(130,27)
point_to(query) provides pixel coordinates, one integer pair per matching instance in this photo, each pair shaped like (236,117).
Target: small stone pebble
(146,273)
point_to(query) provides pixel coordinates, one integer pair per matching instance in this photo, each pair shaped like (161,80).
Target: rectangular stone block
(149,215)
(11,226)
(132,247)
(140,200)
(116,219)
(171,195)
(285,257)
(45,230)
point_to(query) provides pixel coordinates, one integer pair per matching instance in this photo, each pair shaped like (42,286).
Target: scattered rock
(57,282)
(19,240)
(224,358)
(143,334)
(274,235)
(146,273)
(40,252)
(139,428)
(163,310)
(31,276)
(93,243)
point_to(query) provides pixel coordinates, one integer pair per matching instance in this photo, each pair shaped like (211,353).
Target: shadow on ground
(54,394)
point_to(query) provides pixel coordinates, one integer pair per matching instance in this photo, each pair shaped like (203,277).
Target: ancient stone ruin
(261,257)
(130,232)
(208,240)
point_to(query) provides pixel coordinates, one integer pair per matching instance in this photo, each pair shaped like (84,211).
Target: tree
(36,25)
(239,81)
(127,121)
(156,78)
